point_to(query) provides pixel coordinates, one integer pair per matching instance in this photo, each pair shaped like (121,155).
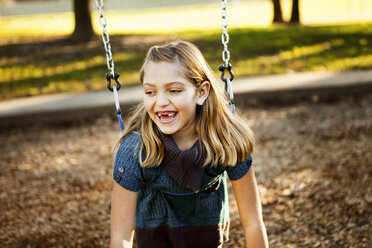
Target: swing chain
(222,68)
(225,40)
(116,78)
(106,41)
(110,63)
(225,35)
(226,57)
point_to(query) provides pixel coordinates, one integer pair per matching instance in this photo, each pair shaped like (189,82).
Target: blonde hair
(225,138)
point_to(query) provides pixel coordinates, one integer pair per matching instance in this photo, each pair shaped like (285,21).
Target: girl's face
(170,99)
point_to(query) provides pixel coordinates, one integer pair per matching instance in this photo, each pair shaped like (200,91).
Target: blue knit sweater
(156,207)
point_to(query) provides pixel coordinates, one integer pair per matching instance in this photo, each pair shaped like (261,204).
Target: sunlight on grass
(63,86)
(335,11)
(17,72)
(256,47)
(61,75)
(254,51)
(326,56)
(14,71)
(297,52)
(359,62)
(37,25)
(190,17)
(193,17)
(154,20)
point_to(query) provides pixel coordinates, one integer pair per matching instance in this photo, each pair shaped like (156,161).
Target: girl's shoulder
(129,145)
(130,140)
(240,169)
(127,169)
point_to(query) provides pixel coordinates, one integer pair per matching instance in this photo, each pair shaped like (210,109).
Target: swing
(112,75)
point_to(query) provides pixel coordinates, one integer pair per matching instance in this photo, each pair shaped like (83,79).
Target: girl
(170,185)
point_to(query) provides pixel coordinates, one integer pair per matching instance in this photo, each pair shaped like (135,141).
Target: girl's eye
(174,91)
(149,92)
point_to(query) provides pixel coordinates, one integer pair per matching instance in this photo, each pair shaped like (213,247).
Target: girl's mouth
(166,116)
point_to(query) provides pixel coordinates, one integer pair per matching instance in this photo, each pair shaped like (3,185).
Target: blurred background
(331,35)
(313,157)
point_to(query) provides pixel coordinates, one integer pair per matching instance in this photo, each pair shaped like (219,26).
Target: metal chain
(226,57)
(225,35)
(110,63)
(105,37)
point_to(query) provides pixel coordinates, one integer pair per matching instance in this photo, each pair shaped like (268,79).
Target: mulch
(312,164)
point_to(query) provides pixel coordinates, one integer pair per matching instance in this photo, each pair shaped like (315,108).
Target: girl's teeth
(162,116)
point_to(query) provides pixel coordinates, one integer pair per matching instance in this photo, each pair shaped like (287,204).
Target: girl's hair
(225,138)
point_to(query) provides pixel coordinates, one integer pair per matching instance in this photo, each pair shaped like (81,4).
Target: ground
(312,163)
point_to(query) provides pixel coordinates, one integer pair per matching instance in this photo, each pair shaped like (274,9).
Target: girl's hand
(249,206)
(123,212)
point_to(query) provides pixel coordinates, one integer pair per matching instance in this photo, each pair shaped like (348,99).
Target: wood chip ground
(312,163)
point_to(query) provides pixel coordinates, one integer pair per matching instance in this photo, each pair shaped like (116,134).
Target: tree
(295,15)
(278,17)
(83,21)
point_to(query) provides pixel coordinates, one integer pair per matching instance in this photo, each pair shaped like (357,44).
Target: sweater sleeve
(240,169)
(127,169)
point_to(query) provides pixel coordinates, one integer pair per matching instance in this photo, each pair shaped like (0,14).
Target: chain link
(110,63)
(99,4)
(225,35)
(226,56)
(105,37)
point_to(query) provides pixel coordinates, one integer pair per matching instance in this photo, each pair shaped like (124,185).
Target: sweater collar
(184,166)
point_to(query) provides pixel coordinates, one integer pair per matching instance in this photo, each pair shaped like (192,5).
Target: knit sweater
(186,167)
(157,208)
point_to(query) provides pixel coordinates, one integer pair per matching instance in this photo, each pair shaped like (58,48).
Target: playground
(312,165)
(313,156)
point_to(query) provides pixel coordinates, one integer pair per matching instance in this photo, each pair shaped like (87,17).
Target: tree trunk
(83,21)
(278,17)
(295,16)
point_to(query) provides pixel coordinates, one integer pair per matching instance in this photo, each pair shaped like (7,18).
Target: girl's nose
(162,100)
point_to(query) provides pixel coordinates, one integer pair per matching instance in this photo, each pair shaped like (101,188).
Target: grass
(37,61)
(167,20)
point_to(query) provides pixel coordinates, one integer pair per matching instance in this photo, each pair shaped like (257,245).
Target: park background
(313,157)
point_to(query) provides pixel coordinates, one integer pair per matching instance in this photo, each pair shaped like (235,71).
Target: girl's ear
(203,92)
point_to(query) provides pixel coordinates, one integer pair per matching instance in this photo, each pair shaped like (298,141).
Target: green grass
(52,67)
(167,20)
(34,60)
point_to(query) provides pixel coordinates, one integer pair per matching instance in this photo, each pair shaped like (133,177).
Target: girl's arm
(123,211)
(249,206)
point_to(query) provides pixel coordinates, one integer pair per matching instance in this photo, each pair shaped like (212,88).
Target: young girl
(170,185)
